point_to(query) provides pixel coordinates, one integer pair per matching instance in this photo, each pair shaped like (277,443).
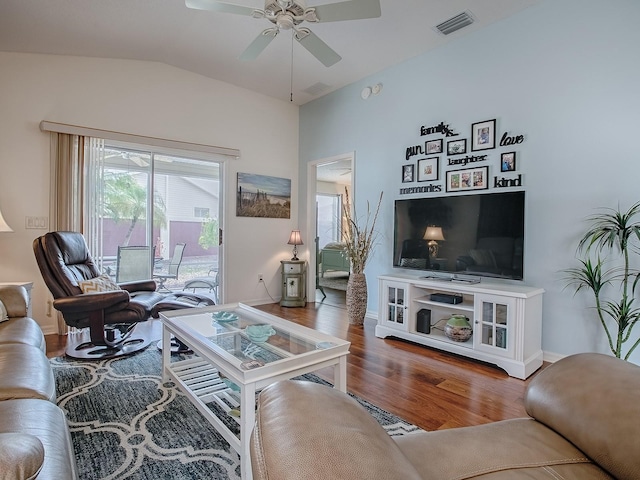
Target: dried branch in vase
(359,239)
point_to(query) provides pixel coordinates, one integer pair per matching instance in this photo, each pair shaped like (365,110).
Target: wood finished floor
(431,389)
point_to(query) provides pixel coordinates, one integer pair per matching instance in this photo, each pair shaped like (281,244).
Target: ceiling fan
(287,15)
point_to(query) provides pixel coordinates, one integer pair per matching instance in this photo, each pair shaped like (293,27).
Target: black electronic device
(446,298)
(423,321)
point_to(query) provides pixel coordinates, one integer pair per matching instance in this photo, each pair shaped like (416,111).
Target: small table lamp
(295,240)
(432,234)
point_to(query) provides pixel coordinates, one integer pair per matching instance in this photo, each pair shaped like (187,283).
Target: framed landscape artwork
(263,196)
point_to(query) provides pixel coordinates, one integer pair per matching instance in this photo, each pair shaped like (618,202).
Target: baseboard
(552,357)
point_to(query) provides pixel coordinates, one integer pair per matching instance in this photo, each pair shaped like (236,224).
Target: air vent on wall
(455,23)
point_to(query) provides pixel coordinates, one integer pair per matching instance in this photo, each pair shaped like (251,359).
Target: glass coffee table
(238,350)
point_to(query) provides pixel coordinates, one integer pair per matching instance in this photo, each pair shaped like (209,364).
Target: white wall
(150,99)
(563,73)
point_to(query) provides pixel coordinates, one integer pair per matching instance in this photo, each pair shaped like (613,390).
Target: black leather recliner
(64,261)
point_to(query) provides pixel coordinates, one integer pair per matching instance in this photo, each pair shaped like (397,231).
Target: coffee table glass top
(252,337)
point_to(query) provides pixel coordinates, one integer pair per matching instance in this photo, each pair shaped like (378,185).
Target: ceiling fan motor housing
(274,7)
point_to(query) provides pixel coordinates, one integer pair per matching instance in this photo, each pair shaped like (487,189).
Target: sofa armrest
(308,430)
(88,302)
(21,456)
(592,400)
(15,300)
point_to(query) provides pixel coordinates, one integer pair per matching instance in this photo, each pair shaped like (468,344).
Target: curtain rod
(47,126)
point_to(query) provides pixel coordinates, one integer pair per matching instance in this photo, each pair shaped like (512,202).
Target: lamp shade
(295,238)
(4,227)
(433,233)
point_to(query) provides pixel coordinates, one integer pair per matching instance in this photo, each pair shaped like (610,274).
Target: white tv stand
(506,319)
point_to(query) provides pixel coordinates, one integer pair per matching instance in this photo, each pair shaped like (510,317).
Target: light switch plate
(40,223)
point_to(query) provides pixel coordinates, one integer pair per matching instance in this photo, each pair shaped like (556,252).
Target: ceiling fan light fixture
(285,21)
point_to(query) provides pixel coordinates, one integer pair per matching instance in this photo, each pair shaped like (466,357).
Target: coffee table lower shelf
(221,386)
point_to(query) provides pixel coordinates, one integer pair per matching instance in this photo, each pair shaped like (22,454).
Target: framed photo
(483,135)
(468,179)
(407,173)
(263,196)
(508,162)
(428,169)
(457,147)
(434,146)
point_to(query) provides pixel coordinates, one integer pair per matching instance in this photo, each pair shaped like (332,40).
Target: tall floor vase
(356,298)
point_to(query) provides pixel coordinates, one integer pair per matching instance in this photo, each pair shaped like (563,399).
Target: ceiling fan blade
(214,6)
(259,44)
(349,10)
(317,47)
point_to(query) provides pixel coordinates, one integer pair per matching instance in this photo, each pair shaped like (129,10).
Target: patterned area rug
(125,423)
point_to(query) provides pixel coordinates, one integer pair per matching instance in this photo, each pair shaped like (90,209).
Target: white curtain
(94,198)
(76,162)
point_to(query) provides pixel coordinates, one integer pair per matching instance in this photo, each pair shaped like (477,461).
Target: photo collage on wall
(466,162)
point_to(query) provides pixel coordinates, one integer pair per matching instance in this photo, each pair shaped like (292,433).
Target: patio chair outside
(133,263)
(174,266)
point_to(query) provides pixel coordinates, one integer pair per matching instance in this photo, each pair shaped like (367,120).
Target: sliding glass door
(154,214)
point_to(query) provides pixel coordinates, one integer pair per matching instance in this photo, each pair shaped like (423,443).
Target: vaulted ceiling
(209,43)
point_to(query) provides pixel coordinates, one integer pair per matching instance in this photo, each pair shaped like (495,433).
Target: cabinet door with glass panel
(394,303)
(494,324)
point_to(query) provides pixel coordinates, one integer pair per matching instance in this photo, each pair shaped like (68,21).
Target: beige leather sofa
(584,424)
(34,437)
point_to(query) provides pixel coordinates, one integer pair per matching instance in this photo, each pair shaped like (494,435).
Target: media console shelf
(506,319)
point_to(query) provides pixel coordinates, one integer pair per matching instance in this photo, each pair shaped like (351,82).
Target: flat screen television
(479,235)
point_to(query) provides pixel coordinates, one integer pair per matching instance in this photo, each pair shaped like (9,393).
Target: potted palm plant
(359,239)
(607,272)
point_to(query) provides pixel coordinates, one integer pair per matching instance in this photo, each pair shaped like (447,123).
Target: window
(329,218)
(201,212)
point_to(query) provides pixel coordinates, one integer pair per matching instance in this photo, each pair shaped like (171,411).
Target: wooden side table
(294,278)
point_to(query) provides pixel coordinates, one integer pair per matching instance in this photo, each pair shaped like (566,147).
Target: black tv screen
(477,235)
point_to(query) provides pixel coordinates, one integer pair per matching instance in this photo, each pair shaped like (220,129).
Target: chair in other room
(173,268)
(88,299)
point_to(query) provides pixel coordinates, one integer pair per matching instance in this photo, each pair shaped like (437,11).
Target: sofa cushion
(102,283)
(46,421)
(511,449)
(345,442)
(22,330)
(21,456)
(25,372)
(592,400)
